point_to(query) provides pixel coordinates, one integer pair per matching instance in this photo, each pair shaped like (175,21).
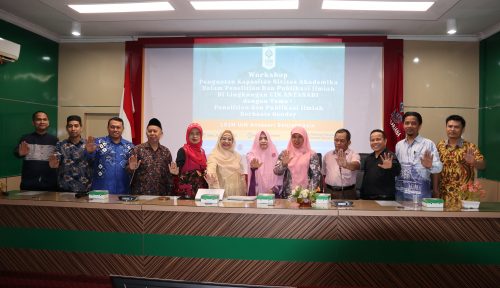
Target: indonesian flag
(127,107)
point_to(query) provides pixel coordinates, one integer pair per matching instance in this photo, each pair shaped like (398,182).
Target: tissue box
(99,194)
(323,198)
(433,202)
(265,199)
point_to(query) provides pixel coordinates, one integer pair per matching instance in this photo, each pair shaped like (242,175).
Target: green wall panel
(27,85)
(489,114)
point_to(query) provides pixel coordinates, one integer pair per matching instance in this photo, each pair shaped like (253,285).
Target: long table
(367,245)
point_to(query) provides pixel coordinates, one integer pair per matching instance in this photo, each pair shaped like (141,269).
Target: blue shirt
(110,162)
(415,178)
(75,172)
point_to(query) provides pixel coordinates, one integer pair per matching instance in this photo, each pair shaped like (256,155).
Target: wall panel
(27,85)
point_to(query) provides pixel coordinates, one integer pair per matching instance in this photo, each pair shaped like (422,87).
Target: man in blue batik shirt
(110,155)
(74,171)
(419,159)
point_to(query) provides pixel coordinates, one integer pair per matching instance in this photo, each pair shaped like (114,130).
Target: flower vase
(467,204)
(304,202)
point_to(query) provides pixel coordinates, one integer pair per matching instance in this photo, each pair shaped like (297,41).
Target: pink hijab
(299,164)
(264,176)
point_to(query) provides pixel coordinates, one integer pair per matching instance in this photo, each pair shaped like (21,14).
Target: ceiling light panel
(377,5)
(122,7)
(246,5)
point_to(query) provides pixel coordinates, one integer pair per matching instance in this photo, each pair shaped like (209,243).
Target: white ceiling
(476,19)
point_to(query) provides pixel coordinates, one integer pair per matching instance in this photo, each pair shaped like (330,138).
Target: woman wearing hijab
(225,168)
(298,163)
(192,163)
(261,160)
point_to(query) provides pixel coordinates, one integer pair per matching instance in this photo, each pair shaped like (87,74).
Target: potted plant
(305,197)
(470,194)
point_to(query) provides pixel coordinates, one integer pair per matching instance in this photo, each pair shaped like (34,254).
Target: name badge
(323,198)
(99,195)
(265,199)
(209,199)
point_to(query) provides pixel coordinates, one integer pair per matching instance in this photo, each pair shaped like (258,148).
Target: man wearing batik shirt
(460,158)
(110,155)
(35,149)
(419,158)
(75,173)
(151,164)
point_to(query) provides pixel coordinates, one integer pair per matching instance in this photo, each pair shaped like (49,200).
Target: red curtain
(393,92)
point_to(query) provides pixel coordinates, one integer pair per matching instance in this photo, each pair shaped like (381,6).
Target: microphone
(341,183)
(81,194)
(341,178)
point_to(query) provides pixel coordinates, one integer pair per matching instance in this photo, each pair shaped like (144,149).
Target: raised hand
(172,167)
(133,163)
(386,161)
(24,149)
(254,164)
(90,145)
(426,160)
(469,157)
(286,158)
(341,160)
(53,161)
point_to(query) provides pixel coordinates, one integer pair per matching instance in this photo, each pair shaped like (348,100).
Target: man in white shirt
(340,167)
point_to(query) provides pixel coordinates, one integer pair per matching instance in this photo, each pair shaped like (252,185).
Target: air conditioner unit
(9,51)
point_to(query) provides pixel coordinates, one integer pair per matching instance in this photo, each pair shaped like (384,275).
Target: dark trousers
(348,193)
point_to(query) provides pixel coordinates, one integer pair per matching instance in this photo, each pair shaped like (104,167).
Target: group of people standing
(115,164)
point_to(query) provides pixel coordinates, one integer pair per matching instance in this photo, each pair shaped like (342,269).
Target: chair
(361,173)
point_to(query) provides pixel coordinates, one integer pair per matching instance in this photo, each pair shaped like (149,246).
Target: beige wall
(10,183)
(90,84)
(445,81)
